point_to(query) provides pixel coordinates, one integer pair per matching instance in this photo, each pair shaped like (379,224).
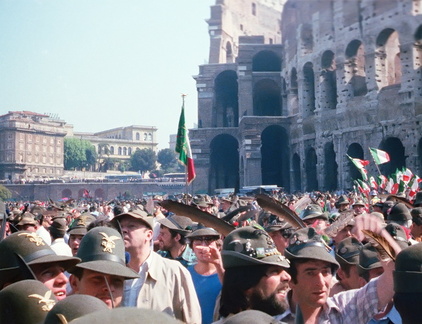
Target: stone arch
(99,194)
(66,193)
(266,98)
(395,149)
(266,61)
(224,163)
(311,169)
(275,157)
(308,96)
(297,173)
(82,193)
(387,58)
(330,168)
(293,81)
(226,107)
(328,80)
(354,150)
(355,68)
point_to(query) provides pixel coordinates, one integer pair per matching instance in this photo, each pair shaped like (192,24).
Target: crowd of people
(278,258)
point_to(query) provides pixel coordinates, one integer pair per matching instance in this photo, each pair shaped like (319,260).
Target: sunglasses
(204,239)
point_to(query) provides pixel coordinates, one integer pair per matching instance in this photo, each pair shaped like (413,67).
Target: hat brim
(65,261)
(165,222)
(143,220)
(108,267)
(232,259)
(78,231)
(312,252)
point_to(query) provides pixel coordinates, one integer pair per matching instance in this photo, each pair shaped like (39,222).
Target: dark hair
(365,274)
(173,234)
(293,271)
(236,281)
(409,306)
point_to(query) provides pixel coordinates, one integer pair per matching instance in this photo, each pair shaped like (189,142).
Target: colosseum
(293,87)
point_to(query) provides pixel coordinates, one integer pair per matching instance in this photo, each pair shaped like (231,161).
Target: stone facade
(31,146)
(346,76)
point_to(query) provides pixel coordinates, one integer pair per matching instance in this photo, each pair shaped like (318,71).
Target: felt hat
(359,202)
(138,214)
(305,243)
(417,215)
(251,316)
(313,211)
(399,212)
(203,231)
(27,248)
(180,224)
(73,307)
(102,250)
(251,245)
(408,270)
(347,251)
(398,234)
(58,226)
(418,199)
(277,224)
(126,315)
(80,224)
(27,219)
(368,259)
(26,301)
(343,200)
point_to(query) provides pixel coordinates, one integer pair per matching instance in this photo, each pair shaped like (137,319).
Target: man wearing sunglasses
(207,273)
(280,231)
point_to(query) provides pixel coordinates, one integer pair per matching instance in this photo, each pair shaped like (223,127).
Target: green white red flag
(183,147)
(379,156)
(360,164)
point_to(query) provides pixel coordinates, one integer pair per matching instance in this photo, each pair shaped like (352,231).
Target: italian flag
(379,156)
(360,164)
(183,147)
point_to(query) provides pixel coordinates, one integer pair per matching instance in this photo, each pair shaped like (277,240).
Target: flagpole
(186,167)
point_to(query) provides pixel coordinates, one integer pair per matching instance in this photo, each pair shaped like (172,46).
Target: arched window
(138,137)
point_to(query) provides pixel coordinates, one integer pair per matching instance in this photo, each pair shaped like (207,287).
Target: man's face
(313,283)
(201,247)
(270,294)
(343,207)
(135,234)
(51,275)
(280,241)
(349,280)
(344,233)
(359,210)
(106,287)
(165,240)
(319,224)
(74,242)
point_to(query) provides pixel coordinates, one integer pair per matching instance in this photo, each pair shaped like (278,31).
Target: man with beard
(255,276)
(313,267)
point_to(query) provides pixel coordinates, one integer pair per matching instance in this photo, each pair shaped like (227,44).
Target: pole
(186,167)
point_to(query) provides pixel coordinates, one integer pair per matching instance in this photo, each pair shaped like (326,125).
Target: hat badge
(33,238)
(81,222)
(48,303)
(108,242)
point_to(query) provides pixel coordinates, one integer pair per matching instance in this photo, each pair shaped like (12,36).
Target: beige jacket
(168,288)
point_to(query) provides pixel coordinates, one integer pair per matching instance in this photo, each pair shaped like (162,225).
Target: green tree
(5,193)
(143,160)
(168,160)
(78,154)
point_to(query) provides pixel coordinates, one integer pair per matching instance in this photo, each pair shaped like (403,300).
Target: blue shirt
(207,288)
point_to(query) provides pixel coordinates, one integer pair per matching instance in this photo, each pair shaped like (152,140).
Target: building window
(130,151)
(138,137)
(254,8)
(120,151)
(124,151)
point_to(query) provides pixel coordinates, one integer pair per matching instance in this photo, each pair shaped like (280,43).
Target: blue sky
(100,64)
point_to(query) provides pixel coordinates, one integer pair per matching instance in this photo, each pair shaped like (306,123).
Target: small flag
(373,183)
(360,164)
(379,156)
(183,146)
